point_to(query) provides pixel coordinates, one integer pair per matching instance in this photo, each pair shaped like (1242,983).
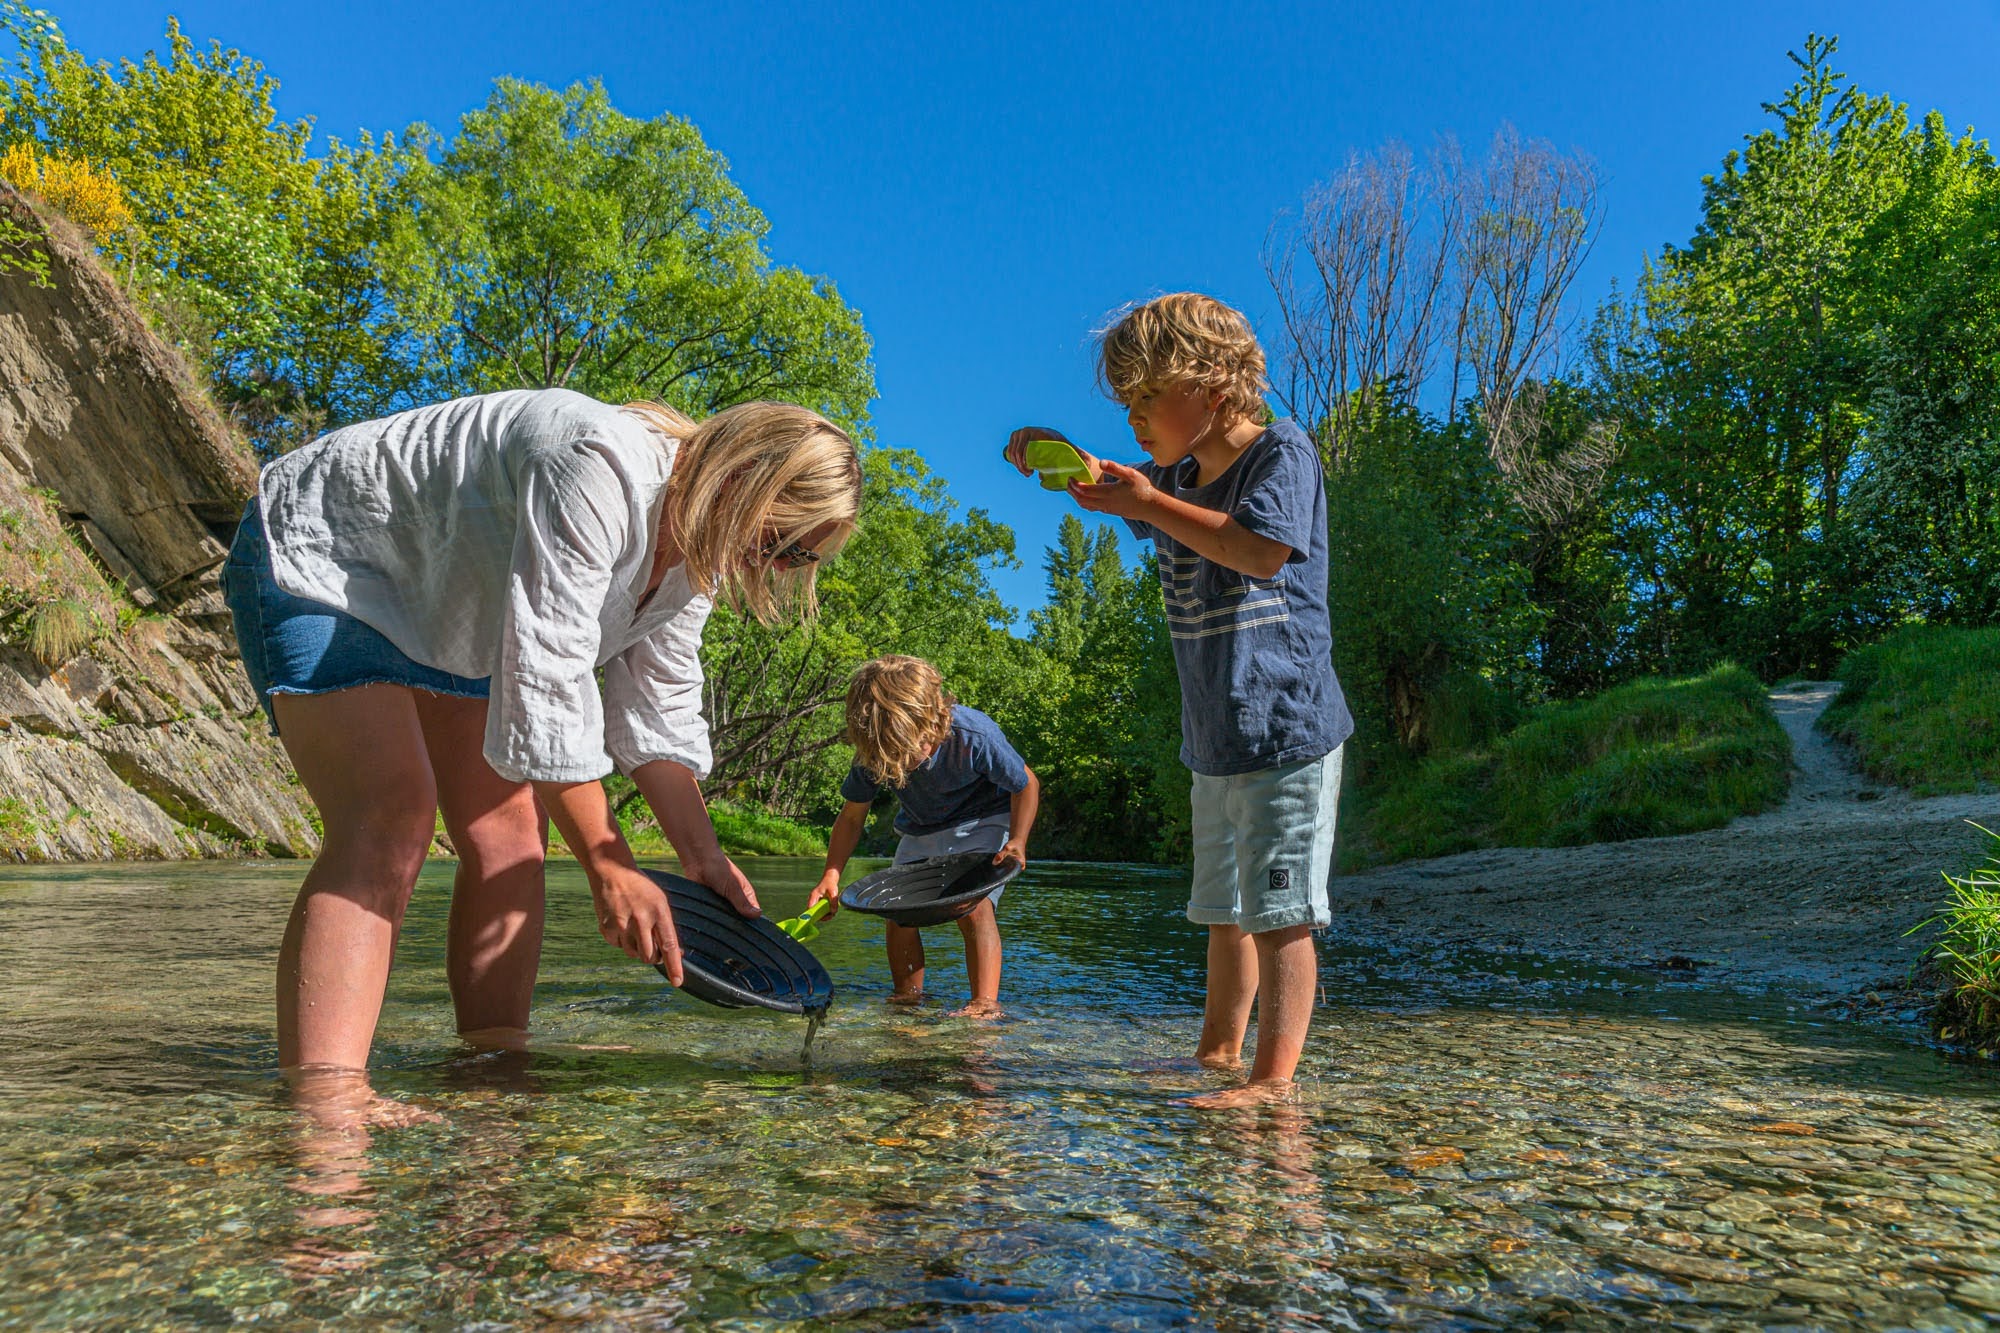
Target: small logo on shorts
(1281,879)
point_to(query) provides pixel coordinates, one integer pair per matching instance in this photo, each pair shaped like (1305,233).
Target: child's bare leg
(906,964)
(1232,985)
(981,929)
(1288,968)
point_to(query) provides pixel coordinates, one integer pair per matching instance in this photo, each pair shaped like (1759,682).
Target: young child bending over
(960,787)
(1237,512)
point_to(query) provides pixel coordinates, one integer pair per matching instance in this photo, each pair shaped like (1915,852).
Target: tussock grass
(59,629)
(1646,759)
(1967,954)
(1922,709)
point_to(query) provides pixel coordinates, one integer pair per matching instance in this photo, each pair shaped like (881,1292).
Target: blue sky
(985,182)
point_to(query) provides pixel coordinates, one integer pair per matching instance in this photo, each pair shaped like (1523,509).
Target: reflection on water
(1478,1144)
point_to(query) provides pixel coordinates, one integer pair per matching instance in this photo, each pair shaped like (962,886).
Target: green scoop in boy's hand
(1059,463)
(806,926)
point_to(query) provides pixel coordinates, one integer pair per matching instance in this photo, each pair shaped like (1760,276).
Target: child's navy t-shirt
(1255,656)
(973,773)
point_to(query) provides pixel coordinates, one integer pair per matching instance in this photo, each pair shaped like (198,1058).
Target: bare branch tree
(1360,278)
(1393,265)
(1535,217)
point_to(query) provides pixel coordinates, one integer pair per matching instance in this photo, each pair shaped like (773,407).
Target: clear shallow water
(1480,1143)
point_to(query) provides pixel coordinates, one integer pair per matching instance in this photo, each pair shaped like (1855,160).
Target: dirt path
(1815,895)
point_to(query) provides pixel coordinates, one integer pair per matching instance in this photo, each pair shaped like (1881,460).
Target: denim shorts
(295,645)
(987,834)
(1263,846)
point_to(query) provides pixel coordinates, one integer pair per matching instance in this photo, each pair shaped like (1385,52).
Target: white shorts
(988,834)
(1263,846)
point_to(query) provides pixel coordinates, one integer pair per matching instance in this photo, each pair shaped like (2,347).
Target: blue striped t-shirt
(1255,656)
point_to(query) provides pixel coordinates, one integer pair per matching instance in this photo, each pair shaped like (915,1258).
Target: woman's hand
(826,891)
(1018,442)
(721,874)
(632,912)
(1015,850)
(1124,492)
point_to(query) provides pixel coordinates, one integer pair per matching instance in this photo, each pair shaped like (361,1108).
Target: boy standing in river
(960,786)
(1237,512)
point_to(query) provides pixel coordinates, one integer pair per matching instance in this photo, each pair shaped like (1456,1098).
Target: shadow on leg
(906,964)
(494,944)
(1232,987)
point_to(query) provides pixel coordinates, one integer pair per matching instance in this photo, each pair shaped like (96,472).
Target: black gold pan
(931,891)
(740,962)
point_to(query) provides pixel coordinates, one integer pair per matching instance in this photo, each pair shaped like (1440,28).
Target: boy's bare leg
(1288,966)
(981,929)
(1232,986)
(906,964)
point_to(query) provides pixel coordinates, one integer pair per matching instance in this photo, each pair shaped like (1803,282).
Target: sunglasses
(791,555)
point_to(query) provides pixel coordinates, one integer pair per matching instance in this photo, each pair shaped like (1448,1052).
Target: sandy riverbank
(1814,896)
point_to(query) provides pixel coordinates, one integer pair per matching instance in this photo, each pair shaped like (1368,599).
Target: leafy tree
(1103,732)
(1928,496)
(259,258)
(1429,598)
(914,579)
(556,241)
(1739,374)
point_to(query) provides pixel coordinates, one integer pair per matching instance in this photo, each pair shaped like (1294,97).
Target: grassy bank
(744,830)
(1966,954)
(1922,709)
(1645,759)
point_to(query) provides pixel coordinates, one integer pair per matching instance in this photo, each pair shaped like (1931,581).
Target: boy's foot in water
(978,1009)
(1262,1093)
(906,997)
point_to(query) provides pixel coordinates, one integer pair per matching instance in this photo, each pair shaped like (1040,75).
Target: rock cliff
(126,726)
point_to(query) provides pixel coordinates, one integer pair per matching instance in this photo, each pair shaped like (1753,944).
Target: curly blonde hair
(748,472)
(1183,338)
(898,711)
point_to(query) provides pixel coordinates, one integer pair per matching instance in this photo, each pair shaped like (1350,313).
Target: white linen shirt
(509,535)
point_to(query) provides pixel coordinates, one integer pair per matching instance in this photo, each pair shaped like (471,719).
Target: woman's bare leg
(906,964)
(360,754)
(981,929)
(495,938)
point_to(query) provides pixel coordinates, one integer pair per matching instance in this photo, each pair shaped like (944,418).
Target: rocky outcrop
(126,726)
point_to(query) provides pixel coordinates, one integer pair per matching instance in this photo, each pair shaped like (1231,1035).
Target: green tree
(262,260)
(1929,494)
(1103,730)
(1739,374)
(556,241)
(1432,624)
(914,579)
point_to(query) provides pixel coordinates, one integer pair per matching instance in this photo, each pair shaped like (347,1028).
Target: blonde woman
(424,603)
(960,787)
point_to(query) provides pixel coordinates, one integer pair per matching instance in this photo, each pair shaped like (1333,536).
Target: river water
(1478,1143)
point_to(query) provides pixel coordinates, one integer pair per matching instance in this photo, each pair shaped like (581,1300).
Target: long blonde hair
(897,713)
(748,468)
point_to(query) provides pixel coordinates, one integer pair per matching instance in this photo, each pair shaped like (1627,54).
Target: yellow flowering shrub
(87,195)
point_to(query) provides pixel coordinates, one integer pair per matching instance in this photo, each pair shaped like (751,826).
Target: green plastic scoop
(806,925)
(1058,462)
